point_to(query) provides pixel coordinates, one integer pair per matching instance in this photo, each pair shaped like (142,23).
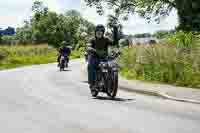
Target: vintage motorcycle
(107,76)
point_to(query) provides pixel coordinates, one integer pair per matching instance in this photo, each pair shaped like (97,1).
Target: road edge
(158,94)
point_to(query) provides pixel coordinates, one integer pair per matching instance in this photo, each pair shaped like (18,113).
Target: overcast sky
(14,12)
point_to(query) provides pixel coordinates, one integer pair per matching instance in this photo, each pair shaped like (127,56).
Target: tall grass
(18,55)
(175,61)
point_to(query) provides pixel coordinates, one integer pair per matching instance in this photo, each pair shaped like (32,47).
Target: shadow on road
(65,70)
(85,82)
(113,99)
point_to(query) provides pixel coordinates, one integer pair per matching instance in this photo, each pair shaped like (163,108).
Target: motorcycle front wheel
(94,93)
(112,92)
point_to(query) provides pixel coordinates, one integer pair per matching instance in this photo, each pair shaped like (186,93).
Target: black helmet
(100,27)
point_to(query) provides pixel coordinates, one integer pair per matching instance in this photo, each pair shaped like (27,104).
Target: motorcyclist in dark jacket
(64,50)
(99,46)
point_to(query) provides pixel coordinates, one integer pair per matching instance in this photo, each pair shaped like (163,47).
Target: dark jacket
(101,45)
(65,51)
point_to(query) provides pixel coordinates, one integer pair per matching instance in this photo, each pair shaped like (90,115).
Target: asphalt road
(40,99)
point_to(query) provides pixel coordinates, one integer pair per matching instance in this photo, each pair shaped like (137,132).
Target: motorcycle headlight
(102,64)
(104,70)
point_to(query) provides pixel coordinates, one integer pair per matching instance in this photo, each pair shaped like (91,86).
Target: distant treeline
(158,34)
(46,26)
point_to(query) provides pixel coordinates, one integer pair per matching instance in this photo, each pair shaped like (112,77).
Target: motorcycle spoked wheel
(113,87)
(94,93)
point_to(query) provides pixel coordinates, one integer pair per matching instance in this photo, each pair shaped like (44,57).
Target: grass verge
(20,55)
(172,63)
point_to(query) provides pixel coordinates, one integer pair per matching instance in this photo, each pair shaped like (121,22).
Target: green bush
(77,53)
(8,39)
(18,55)
(181,39)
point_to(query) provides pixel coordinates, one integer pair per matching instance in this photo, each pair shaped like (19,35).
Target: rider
(98,46)
(64,50)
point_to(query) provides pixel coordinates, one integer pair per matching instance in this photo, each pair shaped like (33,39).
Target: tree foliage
(188,10)
(143,35)
(0,37)
(163,33)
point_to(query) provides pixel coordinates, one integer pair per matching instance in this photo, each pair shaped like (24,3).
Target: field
(20,55)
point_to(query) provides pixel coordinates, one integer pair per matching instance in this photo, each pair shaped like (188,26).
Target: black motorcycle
(107,76)
(63,62)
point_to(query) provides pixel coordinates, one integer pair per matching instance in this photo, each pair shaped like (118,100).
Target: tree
(86,30)
(162,33)
(0,38)
(142,35)
(24,34)
(112,21)
(188,10)
(50,27)
(87,27)
(124,42)
(38,6)
(0,35)
(7,31)
(73,18)
(73,13)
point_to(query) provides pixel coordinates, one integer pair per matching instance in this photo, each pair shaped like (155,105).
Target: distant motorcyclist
(98,46)
(64,50)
